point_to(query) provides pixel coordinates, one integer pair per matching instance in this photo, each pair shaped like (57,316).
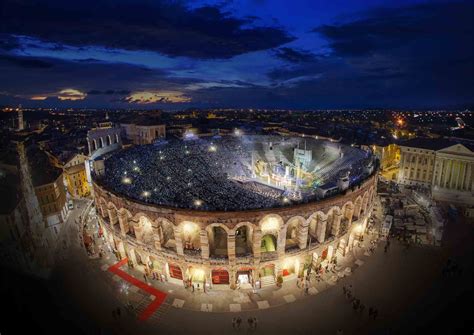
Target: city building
(445,166)
(143,130)
(75,176)
(48,183)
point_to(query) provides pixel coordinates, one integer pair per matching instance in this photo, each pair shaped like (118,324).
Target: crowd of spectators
(207,174)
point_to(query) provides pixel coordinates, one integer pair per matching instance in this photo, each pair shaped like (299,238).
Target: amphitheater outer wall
(179,245)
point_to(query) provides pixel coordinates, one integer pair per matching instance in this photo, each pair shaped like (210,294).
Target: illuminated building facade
(238,248)
(444,166)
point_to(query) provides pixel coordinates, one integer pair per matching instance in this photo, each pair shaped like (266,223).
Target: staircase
(267,281)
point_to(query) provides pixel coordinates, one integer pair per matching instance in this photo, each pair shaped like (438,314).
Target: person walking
(255,322)
(239,321)
(234,322)
(119,312)
(375,313)
(250,322)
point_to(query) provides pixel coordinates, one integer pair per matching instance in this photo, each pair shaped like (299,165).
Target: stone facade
(447,170)
(218,248)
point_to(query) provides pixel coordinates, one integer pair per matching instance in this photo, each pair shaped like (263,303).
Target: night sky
(251,53)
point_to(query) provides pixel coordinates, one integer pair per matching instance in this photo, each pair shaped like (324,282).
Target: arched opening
(292,234)
(166,233)
(174,273)
(197,277)
(243,241)
(218,242)
(220,276)
(331,221)
(191,238)
(116,138)
(290,267)
(269,243)
(95,145)
(144,232)
(314,221)
(108,140)
(121,250)
(267,275)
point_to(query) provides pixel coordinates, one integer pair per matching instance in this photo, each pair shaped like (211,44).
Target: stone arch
(271,223)
(112,212)
(102,142)
(166,234)
(365,202)
(334,216)
(95,145)
(347,214)
(190,236)
(269,243)
(317,226)
(294,230)
(108,140)
(144,229)
(243,232)
(357,206)
(124,216)
(218,235)
(103,208)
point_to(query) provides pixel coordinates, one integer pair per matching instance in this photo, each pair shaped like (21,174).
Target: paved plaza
(404,284)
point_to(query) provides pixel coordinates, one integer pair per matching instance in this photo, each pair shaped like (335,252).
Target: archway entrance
(218,242)
(220,276)
(175,272)
(243,241)
(269,243)
(243,278)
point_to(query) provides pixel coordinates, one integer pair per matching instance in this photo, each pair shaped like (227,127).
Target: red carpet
(159,296)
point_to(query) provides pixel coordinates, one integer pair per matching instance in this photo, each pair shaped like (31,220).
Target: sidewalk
(230,300)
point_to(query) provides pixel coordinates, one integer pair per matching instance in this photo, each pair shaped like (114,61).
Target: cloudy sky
(249,53)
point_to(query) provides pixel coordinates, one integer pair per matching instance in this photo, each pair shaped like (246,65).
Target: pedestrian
(239,321)
(118,312)
(375,313)
(306,290)
(144,277)
(192,287)
(361,308)
(234,322)
(255,322)
(371,311)
(344,289)
(250,322)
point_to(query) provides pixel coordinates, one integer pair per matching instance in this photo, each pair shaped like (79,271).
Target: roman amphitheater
(234,211)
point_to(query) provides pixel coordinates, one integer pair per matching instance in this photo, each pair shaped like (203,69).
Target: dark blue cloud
(294,55)
(167,27)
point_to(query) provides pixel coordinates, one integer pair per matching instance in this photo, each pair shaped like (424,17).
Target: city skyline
(260,54)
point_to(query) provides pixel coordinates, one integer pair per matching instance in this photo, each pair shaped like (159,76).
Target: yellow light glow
(148,97)
(270,223)
(189,227)
(38,97)
(127,180)
(359,229)
(71,94)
